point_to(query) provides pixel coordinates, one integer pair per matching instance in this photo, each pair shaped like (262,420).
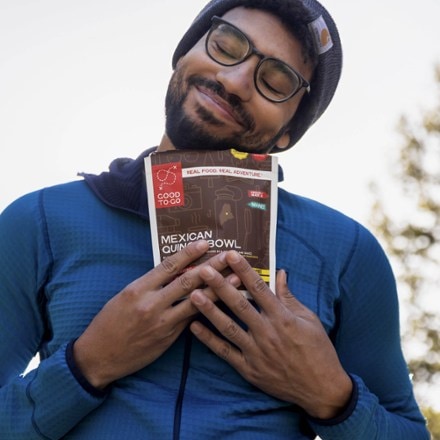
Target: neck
(165,144)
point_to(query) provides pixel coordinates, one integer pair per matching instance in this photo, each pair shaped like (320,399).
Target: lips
(220,105)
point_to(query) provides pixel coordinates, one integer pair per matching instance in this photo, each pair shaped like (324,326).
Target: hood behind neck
(123,185)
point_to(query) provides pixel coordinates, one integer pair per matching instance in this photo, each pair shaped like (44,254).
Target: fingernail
(198,298)
(195,328)
(282,275)
(207,272)
(202,245)
(234,280)
(234,257)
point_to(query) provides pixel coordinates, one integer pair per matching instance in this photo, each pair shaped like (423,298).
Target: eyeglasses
(274,79)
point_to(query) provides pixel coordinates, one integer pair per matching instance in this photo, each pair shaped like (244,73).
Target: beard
(186,133)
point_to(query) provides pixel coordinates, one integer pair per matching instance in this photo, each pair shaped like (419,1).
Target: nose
(239,79)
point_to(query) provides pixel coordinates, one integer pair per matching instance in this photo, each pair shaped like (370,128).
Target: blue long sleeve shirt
(66,250)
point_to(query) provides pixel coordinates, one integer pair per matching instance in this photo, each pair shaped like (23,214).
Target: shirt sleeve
(49,401)
(368,345)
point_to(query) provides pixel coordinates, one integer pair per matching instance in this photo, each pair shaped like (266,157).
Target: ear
(284,141)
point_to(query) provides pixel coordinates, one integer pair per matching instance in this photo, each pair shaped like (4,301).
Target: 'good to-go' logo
(168,185)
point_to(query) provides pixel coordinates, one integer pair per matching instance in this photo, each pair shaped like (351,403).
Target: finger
(220,347)
(282,289)
(209,292)
(255,285)
(183,285)
(170,267)
(221,321)
(289,299)
(184,309)
(174,264)
(226,290)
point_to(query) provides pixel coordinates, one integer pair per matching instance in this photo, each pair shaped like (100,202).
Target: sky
(83,82)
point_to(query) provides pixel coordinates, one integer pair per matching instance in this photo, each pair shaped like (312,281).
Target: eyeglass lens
(228,46)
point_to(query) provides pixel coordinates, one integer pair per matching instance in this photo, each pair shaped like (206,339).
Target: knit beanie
(327,44)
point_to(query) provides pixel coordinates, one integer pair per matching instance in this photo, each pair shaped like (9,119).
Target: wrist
(79,376)
(87,367)
(347,411)
(336,402)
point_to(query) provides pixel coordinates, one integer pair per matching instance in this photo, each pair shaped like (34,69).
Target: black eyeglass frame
(252,50)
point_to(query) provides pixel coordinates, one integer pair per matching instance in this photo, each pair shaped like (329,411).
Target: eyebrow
(286,65)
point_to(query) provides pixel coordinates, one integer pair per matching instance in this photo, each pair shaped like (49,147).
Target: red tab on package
(258,194)
(168,185)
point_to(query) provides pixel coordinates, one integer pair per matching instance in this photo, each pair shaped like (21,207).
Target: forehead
(267,32)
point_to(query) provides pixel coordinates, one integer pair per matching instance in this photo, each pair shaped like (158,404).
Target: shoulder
(32,200)
(30,210)
(312,213)
(326,230)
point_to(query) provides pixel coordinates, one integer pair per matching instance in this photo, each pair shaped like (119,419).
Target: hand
(285,351)
(141,322)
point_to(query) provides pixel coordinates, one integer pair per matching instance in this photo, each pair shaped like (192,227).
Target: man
(130,351)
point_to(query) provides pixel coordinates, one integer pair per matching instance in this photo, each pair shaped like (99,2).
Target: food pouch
(227,198)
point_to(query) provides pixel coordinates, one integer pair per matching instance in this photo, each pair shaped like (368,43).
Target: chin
(187,135)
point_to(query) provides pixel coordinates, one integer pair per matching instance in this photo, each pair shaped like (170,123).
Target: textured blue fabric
(64,253)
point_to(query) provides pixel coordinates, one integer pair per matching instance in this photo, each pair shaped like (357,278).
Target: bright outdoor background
(83,82)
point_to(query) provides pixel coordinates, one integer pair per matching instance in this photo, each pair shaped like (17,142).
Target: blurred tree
(413,244)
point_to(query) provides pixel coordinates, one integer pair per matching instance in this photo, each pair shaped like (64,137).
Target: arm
(368,345)
(67,384)
(286,353)
(48,402)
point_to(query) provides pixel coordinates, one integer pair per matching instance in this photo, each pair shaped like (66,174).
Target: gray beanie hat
(327,43)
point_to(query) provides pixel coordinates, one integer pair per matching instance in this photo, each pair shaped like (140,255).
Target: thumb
(282,291)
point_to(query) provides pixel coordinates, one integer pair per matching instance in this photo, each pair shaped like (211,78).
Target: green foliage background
(413,244)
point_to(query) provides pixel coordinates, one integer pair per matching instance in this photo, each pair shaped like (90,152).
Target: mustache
(233,100)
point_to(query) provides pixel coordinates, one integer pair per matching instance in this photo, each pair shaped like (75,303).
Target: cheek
(273,119)
(284,114)
(195,58)
(290,107)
